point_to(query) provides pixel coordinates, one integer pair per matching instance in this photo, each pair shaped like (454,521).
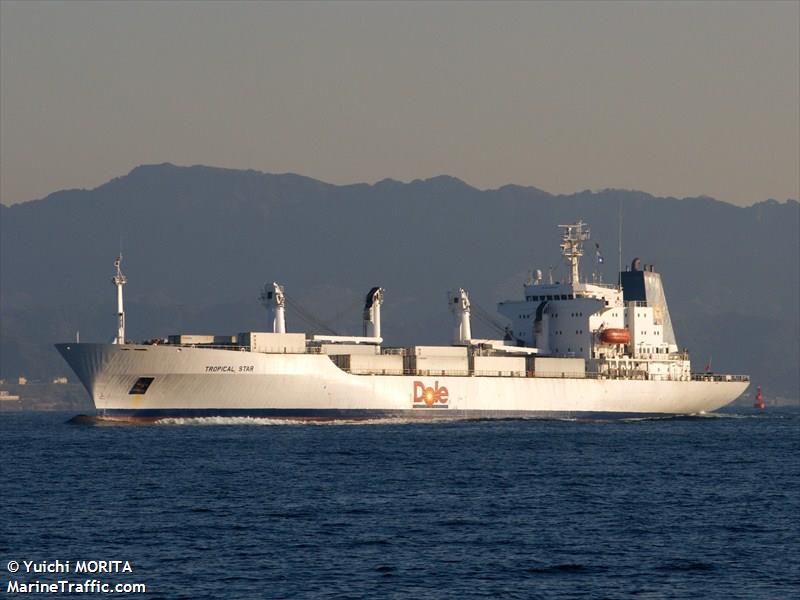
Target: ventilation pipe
(459,306)
(275,302)
(372,313)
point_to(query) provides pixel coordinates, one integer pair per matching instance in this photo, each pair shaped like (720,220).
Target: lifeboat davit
(615,336)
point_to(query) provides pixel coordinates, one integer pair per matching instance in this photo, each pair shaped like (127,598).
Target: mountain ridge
(161,168)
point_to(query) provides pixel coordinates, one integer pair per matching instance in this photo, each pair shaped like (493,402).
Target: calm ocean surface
(703,507)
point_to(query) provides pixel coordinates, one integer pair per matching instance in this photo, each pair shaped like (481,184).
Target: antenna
(619,270)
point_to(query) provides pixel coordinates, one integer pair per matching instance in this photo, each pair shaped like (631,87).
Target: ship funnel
(459,306)
(372,312)
(119,280)
(275,302)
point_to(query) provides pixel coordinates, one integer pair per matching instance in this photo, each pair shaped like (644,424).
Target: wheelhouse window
(141,385)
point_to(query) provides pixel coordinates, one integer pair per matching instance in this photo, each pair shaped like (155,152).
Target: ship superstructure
(573,347)
(617,330)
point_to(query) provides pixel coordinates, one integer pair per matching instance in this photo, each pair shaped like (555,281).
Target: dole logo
(429,396)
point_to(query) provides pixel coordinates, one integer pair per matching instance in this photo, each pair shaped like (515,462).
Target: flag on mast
(598,254)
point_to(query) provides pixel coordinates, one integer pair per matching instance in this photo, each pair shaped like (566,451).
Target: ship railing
(630,374)
(482,373)
(621,374)
(645,357)
(493,373)
(237,347)
(610,286)
(560,375)
(719,377)
(205,346)
(393,351)
(375,371)
(642,355)
(437,372)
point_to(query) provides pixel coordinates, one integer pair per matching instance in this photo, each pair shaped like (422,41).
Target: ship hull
(201,382)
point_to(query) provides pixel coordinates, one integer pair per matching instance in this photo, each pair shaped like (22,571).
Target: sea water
(692,507)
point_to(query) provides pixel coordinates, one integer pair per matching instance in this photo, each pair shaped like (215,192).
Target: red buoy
(759,400)
(615,336)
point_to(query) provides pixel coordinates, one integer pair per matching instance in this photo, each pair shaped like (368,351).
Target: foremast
(119,280)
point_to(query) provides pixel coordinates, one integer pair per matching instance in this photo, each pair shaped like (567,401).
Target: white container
(500,365)
(274,343)
(559,367)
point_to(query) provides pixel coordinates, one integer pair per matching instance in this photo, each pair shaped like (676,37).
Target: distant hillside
(198,243)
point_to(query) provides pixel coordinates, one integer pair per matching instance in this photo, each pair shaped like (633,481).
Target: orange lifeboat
(615,336)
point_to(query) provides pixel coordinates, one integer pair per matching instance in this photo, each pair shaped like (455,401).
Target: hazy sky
(673,98)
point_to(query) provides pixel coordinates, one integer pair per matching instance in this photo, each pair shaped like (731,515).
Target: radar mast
(572,239)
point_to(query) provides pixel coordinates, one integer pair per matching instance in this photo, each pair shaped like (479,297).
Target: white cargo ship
(571,349)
